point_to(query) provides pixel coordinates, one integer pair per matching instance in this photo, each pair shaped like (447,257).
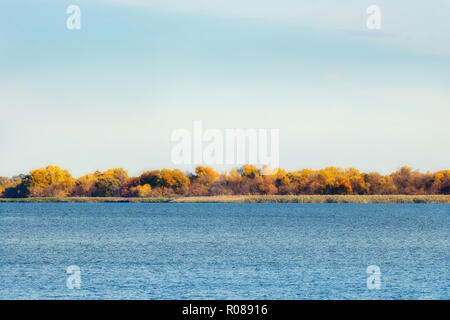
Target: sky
(111,93)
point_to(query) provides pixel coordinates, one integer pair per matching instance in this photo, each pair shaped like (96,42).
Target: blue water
(224,251)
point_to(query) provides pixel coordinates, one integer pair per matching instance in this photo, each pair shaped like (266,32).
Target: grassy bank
(254,199)
(86,199)
(323,199)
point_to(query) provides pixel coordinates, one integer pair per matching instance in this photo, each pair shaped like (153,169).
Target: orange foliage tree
(53,181)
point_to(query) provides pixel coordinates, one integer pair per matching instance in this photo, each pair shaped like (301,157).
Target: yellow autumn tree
(51,181)
(141,191)
(301,181)
(85,185)
(108,183)
(174,180)
(441,182)
(357,182)
(249,171)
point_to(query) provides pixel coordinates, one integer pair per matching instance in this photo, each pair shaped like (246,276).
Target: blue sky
(111,93)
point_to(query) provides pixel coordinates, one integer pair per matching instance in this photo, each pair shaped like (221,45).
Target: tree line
(53,181)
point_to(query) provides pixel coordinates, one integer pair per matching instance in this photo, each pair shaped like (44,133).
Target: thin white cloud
(418,25)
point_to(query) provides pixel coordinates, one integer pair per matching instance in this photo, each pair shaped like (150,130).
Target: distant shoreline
(246,199)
